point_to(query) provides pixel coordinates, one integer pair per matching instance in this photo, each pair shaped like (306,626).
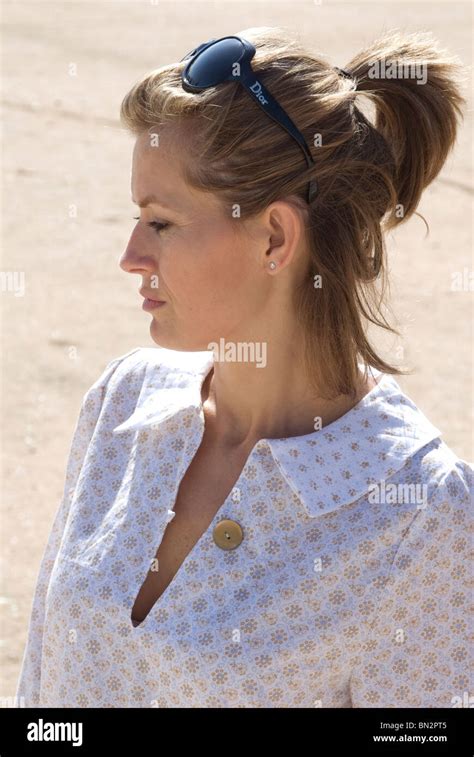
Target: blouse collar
(325,469)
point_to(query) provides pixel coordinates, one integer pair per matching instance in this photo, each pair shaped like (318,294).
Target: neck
(243,403)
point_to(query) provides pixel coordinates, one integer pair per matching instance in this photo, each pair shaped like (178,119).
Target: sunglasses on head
(215,62)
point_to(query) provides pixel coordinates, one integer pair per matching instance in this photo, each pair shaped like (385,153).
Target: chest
(205,486)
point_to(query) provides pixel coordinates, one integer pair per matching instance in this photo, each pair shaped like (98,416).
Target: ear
(281,231)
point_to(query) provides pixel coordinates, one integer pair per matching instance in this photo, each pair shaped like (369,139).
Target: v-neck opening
(223,512)
(220,514)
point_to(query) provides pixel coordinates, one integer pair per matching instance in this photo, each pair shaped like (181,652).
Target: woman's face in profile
(190,255)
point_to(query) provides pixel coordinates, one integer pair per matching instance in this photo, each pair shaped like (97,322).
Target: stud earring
(272,265)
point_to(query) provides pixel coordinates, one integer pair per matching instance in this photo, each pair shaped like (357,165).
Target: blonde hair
(370,176)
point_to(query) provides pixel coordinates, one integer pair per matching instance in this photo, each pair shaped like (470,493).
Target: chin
(180,344)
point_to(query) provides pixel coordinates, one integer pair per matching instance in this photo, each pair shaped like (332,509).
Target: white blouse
(350,587)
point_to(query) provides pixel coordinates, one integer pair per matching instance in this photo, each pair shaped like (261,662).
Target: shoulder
(151,365)
(441,472)
(435,541)
(436,489)
(142,383)
(430,497)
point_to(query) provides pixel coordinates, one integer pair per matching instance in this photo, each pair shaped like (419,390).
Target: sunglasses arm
(267,102)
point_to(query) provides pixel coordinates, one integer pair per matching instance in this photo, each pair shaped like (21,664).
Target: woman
(255,514)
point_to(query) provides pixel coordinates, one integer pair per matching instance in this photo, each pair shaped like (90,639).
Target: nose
(126,263)
(134,259)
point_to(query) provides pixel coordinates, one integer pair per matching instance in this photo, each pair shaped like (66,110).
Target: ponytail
(414,87)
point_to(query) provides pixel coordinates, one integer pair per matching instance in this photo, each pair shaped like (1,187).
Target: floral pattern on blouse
(351,587)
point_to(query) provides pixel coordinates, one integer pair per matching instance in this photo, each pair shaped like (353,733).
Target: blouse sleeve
(28,686)
(416,653)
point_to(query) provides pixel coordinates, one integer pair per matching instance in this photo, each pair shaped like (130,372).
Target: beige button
(228,534)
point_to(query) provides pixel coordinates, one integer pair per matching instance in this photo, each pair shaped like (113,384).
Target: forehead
(159,157)
(156,146)
(155,165)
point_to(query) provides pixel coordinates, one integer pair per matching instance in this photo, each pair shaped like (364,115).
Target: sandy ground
(63,146)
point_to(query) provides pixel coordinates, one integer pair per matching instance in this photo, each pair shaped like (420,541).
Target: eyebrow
(148,200)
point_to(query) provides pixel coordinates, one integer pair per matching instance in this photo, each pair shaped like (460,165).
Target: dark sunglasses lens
(214,64)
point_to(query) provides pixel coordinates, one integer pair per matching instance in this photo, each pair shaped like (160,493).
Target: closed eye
(154,224)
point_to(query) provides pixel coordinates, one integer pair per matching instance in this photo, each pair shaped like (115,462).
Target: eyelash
(154,224)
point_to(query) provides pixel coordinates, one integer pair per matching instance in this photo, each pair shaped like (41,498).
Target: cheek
(209,267)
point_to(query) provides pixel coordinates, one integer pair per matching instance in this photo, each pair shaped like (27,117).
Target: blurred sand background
(65,68)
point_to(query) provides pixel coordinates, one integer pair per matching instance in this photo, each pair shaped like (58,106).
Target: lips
(150,297)
(150,304)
